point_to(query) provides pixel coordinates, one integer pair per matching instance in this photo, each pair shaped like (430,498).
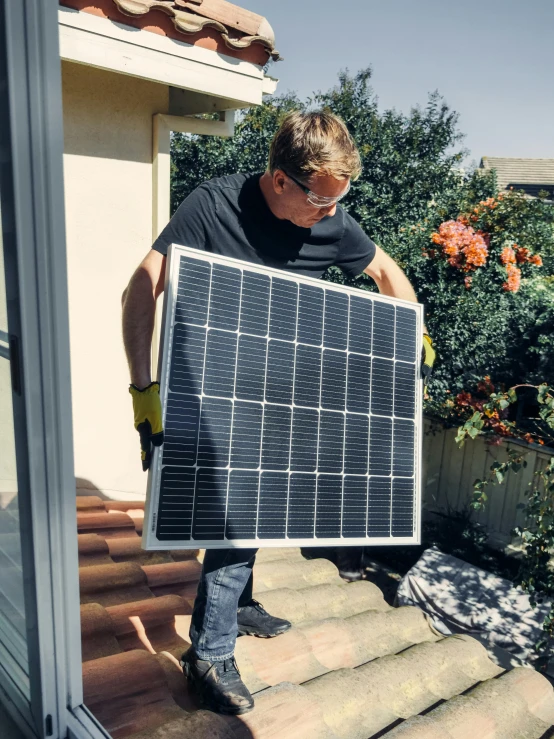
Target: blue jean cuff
(212,657)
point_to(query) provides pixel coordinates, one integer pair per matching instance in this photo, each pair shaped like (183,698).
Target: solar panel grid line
(326,491)
(233,407)
(393,435)
(292,412)
(263,404)
(369,435)
(195,501)
(319,409)
(341,529)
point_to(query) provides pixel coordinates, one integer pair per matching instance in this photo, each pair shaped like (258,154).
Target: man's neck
(271,199)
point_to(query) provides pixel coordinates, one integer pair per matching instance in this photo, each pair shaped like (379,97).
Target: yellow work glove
(147,407)
(429,355)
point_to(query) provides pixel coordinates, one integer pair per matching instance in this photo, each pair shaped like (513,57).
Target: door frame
(32,172)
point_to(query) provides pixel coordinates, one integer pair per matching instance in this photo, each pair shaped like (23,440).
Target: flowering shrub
(467,249)
(482,271)
(463,247)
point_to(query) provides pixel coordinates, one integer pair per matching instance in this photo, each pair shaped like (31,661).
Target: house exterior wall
(108,201)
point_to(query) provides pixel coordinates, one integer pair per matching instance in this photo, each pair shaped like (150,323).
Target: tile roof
(241,32)
(352,666)
(530,175)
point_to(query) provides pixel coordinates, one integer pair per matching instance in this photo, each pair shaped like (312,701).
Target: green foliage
(407,160)
(481,328)
(195,159)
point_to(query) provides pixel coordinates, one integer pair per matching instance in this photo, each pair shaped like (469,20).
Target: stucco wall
(108,198)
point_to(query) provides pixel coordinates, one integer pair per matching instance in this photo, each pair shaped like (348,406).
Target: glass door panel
(12,601)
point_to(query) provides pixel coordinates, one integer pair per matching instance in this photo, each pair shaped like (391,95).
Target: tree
(195,159)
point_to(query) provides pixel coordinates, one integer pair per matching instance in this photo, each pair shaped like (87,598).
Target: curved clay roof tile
(192,16)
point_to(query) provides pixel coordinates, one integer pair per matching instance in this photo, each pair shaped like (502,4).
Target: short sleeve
(191,223)
(356,249)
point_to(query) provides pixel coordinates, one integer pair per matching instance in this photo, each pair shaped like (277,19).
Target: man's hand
(429,355)
(147,407)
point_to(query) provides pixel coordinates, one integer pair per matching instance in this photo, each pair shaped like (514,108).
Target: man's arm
(390,278)
(139,307)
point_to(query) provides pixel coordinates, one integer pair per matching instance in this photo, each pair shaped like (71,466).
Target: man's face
(294,201)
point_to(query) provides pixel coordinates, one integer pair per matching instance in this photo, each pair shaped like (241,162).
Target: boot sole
(225,712)
(250,632)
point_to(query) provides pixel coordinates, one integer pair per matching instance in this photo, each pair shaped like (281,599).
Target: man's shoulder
(232,182)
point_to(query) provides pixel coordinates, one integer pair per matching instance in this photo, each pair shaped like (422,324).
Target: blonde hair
(314,143)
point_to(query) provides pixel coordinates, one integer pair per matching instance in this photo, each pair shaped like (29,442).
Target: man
(287,218)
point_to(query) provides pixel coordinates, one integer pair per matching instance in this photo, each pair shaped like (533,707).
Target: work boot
(218,684)
(349,563)
(253,620)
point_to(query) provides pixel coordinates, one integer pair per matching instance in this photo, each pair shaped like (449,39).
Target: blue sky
(492,61)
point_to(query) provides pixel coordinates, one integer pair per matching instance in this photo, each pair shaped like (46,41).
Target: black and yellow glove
(428,361)
(147,407)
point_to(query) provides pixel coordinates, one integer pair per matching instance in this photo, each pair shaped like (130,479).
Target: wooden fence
(449,473)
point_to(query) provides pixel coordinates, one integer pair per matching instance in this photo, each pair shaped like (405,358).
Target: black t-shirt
(229,216)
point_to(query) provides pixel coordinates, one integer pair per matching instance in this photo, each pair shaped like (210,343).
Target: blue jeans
(225,585)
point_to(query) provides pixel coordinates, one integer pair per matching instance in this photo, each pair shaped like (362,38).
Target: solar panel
(292,411)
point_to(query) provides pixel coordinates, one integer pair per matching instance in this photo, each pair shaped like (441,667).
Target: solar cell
(292,411)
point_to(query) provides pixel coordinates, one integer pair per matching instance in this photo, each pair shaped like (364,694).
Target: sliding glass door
(40,656)
(13,622)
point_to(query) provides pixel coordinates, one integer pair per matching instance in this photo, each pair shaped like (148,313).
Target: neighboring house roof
(352,666)
(530,175)
(216,24)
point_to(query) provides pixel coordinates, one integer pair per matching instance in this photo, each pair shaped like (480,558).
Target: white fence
(449,473)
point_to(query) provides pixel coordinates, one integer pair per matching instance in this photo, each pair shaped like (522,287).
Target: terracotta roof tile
(240,31)
(97,633)
(113,584)
(128,692)
(366,669)
(93,550)
(89,503)
(113,524)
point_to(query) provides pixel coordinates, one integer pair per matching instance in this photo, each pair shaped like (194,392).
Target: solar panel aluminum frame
(149,537)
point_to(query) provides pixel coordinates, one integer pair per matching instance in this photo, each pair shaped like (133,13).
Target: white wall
(108,197)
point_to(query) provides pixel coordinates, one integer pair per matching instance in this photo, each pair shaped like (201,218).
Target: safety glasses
(319,201)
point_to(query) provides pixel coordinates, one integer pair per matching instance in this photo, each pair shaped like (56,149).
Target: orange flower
(508,255)
(536,260)
(463,247)
(514,279)
(522,254)
(467,281)
(489,203)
